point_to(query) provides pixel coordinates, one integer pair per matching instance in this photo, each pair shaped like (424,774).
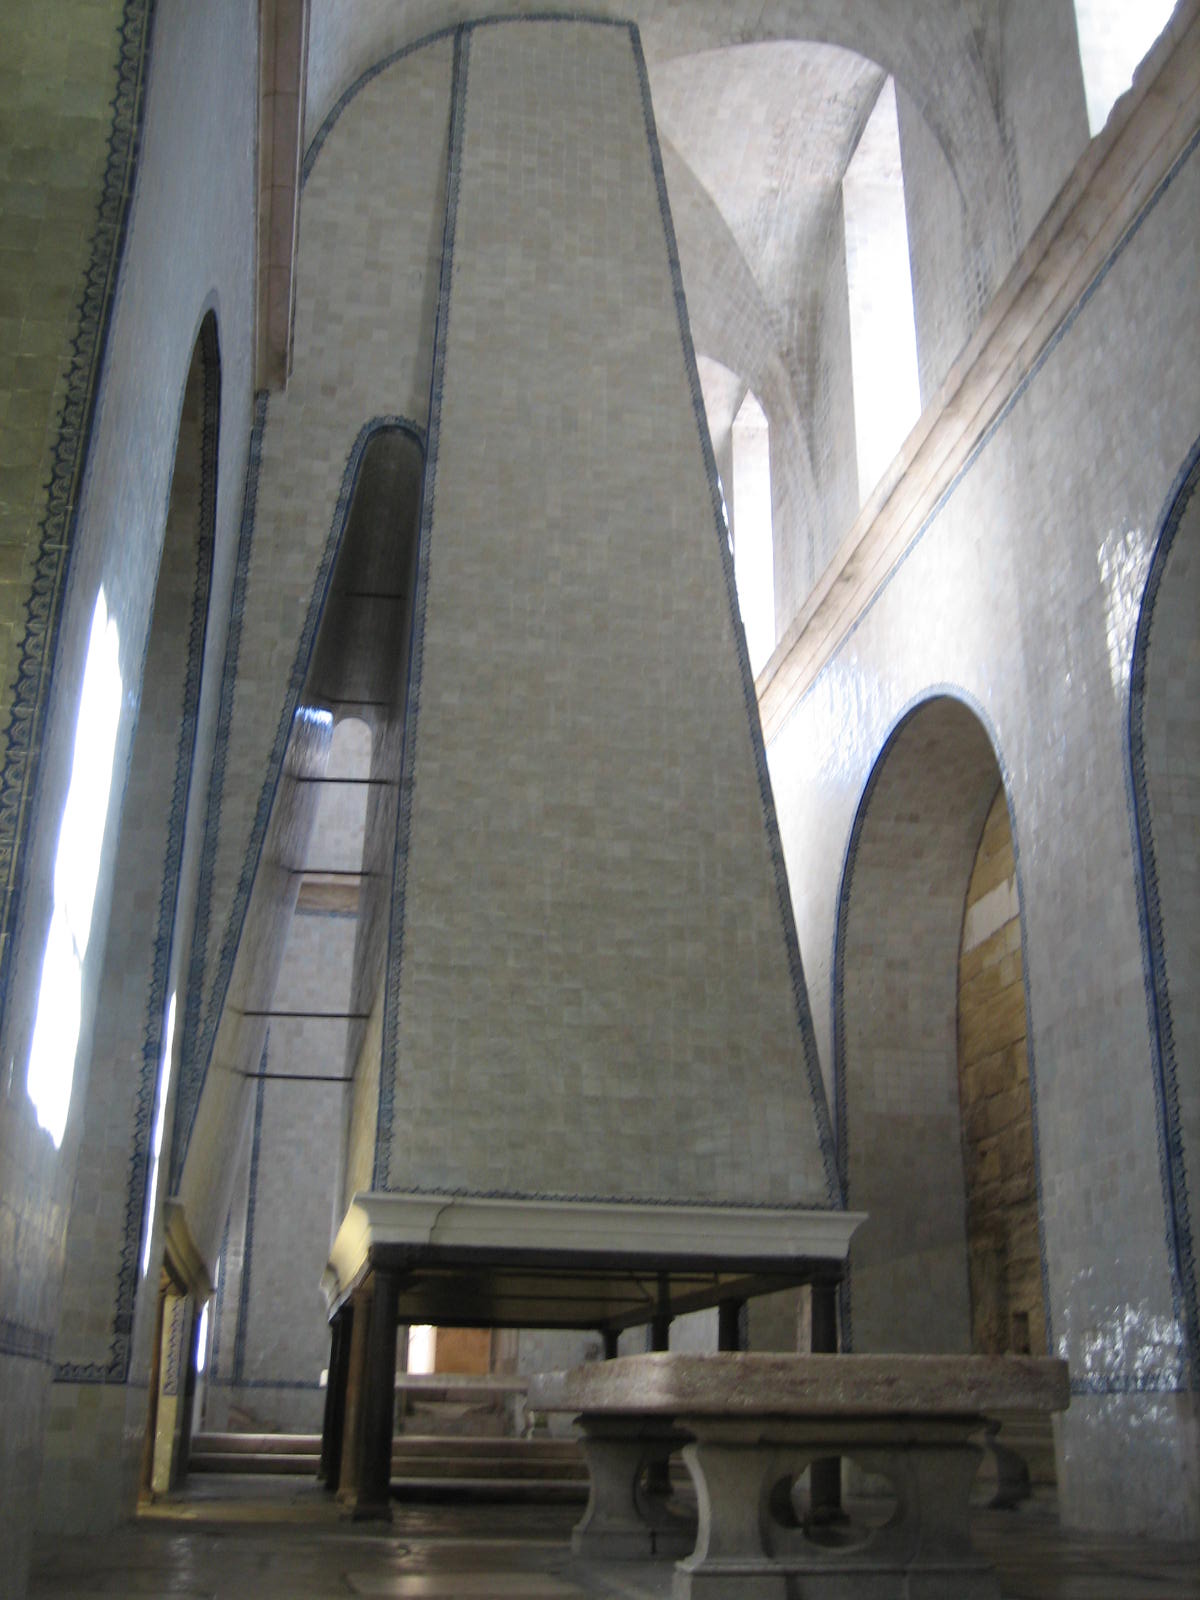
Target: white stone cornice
(581,1229)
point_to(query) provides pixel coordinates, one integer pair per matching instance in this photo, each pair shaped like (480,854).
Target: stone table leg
(620,1523)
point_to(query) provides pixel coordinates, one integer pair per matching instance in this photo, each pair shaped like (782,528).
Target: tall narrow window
(883,339)
(753,552)
(1114,36)
(76,871)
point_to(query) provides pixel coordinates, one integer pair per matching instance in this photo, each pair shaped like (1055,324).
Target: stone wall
(589,903)
(1013,596)
(187,249)
(1001,1175)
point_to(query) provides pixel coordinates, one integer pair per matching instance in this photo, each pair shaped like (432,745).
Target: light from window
(1114,36)
(56,1025)
(160,1117)
(883,338)
(422,1342)
(753,553)
(202,1340)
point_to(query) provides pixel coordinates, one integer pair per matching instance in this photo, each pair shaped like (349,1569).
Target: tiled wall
(1045,115)
(185,250)
(366,282)
(944,291)
(60,75)
(1165,723)
(274,1338)
(1022,592)
(590,907)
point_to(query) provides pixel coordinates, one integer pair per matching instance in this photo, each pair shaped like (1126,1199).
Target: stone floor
(268,1539)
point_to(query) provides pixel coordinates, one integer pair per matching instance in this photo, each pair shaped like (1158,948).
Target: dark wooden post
(379,1403)
(356,1362)
(729,1324)
(611,1339)
(335,1398)
(658,1468)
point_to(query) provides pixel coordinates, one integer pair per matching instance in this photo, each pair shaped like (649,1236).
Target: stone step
(414,1458)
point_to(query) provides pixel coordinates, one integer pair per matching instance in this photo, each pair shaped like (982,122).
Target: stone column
(379,1402)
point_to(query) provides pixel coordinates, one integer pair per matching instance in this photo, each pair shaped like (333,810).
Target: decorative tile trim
(175,1367)
(116,1370)
(199,1056)
(816,1087)
(1002,416)
(900,723)
(24,736)
(1171,1152)
(243,1313)
(1130,1383)
(191,1069)
(381,1171)
(25,1343)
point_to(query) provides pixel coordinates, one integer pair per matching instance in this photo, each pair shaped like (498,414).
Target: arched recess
(915,846)
(1164,746)
(111,1273)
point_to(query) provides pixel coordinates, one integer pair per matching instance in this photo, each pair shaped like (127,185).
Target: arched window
(883,338)
(1114,36)
(753,551)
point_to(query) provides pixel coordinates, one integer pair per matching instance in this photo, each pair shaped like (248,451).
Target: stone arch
(913,845)
(1164,756)
(107,1275)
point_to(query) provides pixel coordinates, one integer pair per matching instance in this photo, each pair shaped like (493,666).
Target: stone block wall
(590,907)
(1010,598)
(993,1063)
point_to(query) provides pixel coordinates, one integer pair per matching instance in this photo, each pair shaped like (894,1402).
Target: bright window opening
(1114,36)
(76,870)
(883,337)
(160,1117)
(753,551)
(422,1345)
(202,1340)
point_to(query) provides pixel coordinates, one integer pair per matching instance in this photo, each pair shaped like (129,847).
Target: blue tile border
(25,1343)
(116,1369)
(191,1070)
(899,724)
(200,1041)
(381,1169)
(1172,1155)
(451,31)
(25,732)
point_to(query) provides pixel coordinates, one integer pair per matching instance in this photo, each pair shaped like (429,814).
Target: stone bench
(749,1425)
